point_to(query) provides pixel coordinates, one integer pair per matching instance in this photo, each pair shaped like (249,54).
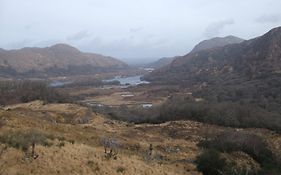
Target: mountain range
(161,62)
(247,73)
(203,45)
(216,42)
(251,59)
(59,59)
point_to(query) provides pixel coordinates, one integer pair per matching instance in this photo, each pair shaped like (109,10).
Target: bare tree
(35,138)
(111,146)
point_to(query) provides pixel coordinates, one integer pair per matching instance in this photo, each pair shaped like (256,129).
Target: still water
(133,80)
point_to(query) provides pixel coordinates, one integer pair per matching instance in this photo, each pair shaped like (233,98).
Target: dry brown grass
(174,143)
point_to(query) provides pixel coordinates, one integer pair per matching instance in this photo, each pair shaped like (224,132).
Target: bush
(120,169)
(210,162)
(2,122)
(61,144)
(223,113)
(23,141)
(136,114)
(111,147)
(186,108)
(25,90)
(90,82)
(251,144)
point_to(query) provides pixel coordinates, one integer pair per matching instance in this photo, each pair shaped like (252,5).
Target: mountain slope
(216,42)
(204,45)
(57,59)
(161,62)
(248,73)
(250,60)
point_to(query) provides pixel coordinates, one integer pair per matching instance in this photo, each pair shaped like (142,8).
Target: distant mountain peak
(224,37)
(64,47)
(216,42)
(273,35)
(276,30)
(255,59)
(203,45)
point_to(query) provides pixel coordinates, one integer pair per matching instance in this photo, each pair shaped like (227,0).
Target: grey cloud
(31,25)
(269,18)
(127,28)
(135,30)
(214,29)
(129,48)
(46,43)
(79,36)
(17,45)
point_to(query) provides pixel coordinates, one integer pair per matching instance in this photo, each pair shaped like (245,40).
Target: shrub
(185,108)
(112,145)
(22,140)
(210,162)
(220,113)
(90,163)
(120,169)
(136,114)
(61,144)
(71,141)
(25,90)
(253,145)
(2,122)
(93,165)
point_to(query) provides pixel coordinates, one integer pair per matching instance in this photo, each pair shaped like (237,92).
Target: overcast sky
(132,28)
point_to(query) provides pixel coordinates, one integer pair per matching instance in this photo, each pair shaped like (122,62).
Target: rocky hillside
(216,42)
(60,59)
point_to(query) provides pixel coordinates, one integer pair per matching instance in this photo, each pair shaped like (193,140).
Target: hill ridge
(58,59)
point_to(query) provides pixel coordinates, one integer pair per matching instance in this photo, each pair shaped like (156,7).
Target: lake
(132,80)
(124,81)
(57,83)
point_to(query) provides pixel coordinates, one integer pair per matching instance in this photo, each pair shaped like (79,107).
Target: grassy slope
(174,143)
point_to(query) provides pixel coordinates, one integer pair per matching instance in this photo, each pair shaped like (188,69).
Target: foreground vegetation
(234,141)
(98,145)
(186,108)
(215,159)
(222,113)
(219,150)
(21,91)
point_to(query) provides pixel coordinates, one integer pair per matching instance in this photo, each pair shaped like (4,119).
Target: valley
(215,109)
